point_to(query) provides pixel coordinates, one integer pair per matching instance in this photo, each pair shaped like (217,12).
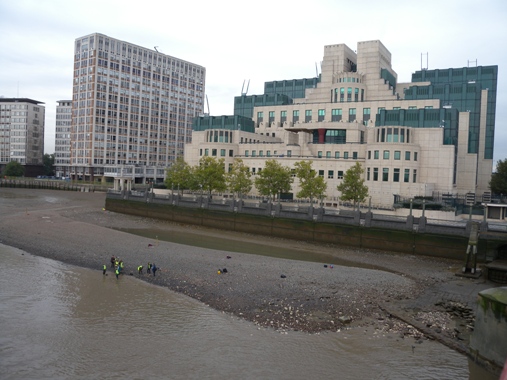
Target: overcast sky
(258,41)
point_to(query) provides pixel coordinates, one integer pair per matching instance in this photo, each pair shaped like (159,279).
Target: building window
(321,173)
(346,155)
(352,114)
(414,176)
(231,153)
(356,94)
(328,154)
(289,153)
(214,152)
(330,174)
(367,174)
(376,154)
(268,153)
(406,176)
(261,153)
(271,116)
(246,153)
(349,94)
(206,152)
(260,117)
(386,155)
(230,168)
(283,116)
(366,114)
(319,154)
(308,116)
(254,153)
(397,155)
(336,154)
(428,107)
(222,152)
(354,155)
(380,109)
(375,174)
(396,175)
(385,174)
(415,156)
(322,115)
(339,174)
(336,114)
(407,156)
(342,94)
(295,116)
(200,152)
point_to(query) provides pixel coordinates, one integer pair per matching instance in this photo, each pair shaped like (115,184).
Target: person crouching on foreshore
(154,269)
(104,267)
(140,269)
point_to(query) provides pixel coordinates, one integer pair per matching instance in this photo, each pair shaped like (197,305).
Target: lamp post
(411,201)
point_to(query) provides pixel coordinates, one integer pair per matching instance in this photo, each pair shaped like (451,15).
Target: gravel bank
(285,294)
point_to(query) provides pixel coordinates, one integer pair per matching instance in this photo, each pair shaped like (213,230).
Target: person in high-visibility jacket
(104,269)
(122,266)
(140,269)
(117,272)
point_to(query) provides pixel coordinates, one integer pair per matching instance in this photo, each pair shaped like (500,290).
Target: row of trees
(274,179)
(15,169)
(498,183)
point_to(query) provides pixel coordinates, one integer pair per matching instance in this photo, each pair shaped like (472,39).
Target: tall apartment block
(132,110)
(22,133)
(432,135)
(62,137)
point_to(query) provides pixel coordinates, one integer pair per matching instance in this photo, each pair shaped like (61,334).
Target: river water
(62,322)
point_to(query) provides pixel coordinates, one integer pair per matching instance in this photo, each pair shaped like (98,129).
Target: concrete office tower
(62,137)
(132,110)
(22,133)
(432,136)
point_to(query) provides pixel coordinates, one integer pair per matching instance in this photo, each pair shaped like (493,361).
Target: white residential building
(22,133)
(62,137)
(132,110)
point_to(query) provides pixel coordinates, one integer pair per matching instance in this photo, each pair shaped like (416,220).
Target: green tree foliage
(179,175)
(238,179)
(498,183)
(14,169)
(49,164)
(312,185)
(352,187)
(273,179)
(209,175)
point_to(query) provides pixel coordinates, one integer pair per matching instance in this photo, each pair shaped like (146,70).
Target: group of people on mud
(118,266)
(151,268)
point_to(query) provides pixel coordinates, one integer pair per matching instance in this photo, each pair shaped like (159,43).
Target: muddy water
(58,321)
(231,245)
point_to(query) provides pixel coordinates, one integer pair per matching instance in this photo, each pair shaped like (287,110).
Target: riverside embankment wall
(373,237)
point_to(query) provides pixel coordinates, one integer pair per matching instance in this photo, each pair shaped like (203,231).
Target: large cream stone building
(434,134)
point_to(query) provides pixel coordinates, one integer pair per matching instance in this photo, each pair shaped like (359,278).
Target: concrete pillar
(410,222)
(367,218)
(422,224)
(489,339)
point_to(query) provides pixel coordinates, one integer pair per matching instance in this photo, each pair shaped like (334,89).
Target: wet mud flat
(313,288)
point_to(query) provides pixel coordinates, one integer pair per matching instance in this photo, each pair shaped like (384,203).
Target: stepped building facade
(434,134)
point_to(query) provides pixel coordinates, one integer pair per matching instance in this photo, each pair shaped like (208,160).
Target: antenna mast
(427,59)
